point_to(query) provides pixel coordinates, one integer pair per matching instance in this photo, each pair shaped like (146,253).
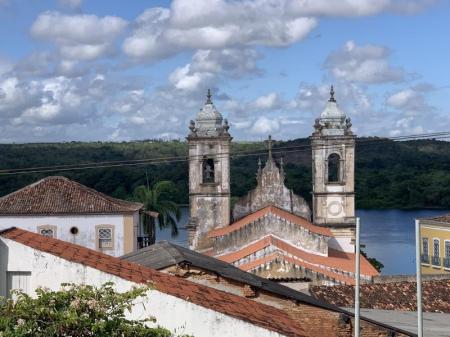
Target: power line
(175,159)
(158,159)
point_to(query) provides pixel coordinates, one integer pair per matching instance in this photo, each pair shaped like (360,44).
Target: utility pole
(357,267)
(419,283)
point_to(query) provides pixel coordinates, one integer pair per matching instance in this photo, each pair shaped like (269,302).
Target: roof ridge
(41,197)
(271,208)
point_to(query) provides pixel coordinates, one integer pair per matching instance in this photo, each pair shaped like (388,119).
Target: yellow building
(435,242)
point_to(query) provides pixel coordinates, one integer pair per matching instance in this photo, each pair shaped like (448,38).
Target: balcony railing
(425,258)
(446,261)
(435,261)
(144,241)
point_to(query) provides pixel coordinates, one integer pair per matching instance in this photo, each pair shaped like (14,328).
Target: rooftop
(259,314)
(60,195)
(165,254)
(265,211)
(390,296)
(441,218)
(335,259)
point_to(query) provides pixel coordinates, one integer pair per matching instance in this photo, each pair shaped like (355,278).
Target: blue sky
(116,70)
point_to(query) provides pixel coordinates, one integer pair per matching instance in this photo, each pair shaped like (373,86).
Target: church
(271,231)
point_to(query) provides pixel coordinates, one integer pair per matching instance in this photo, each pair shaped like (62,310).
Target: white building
(60,208)
(29,260)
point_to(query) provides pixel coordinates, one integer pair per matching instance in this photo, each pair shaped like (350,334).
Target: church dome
(209,121)
(333,120)
(332,110)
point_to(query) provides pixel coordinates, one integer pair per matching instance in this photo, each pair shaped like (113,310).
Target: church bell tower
(333,166)
(209,175)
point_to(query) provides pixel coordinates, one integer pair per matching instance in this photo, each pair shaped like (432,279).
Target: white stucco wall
(344,244)
(86,228)
(175,314)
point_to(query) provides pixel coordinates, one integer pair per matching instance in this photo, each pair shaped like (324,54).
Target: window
(447,249)
(74,231)
(334,163)
(436,247)
(105,237)
(46,230)
(18,280)
(425,246)
(208,170)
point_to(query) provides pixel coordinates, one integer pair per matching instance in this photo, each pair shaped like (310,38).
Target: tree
(75,310)
(373,261)
(158,199)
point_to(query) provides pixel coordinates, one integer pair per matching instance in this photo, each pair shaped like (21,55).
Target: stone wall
(209,203)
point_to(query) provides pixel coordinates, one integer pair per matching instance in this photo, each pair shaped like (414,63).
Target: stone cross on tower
(269,146)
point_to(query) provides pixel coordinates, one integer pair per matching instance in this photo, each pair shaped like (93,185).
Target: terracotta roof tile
(390,296)
(59,195)
(274,256)
(264,211)
(335,259)
(263,315)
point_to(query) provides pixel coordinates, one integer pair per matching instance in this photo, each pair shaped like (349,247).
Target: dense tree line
(410,174)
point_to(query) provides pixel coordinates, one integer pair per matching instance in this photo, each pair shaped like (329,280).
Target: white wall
(86,228)
(175,314)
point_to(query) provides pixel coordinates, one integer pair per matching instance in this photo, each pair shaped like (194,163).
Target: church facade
(272,232)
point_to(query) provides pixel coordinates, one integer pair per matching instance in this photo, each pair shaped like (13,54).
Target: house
(64,209)
(317,317)
(435,245)
(30,260)
(271,231)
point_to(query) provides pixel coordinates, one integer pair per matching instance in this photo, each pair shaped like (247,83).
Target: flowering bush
(74,311)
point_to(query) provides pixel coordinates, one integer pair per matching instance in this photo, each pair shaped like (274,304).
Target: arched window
(334,168)
(208,170)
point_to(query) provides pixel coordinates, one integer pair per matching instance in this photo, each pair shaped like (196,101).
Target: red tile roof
(335,259)
(274,256)
(259,314)
(390,296)
(59,195)
(271,209)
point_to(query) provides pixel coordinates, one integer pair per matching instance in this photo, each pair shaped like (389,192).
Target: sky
(97,70)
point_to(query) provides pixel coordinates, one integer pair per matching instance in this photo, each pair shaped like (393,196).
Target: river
(387,234)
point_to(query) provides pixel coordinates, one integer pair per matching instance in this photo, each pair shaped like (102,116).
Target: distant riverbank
(387,234)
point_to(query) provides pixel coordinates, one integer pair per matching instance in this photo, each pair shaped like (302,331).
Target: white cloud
(412,100)
(217,24)
(208,65)
(82,37)
(265,126)
(267,102)
(355,8)
(365,64)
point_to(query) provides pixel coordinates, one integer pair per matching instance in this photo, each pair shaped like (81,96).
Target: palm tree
(157,199)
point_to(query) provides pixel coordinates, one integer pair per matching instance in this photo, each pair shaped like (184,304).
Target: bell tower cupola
(209,174)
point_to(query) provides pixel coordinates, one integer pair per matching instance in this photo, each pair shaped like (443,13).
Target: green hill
(410,174)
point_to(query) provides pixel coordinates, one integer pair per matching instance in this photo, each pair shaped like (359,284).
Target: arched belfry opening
(334,168)
(208,170)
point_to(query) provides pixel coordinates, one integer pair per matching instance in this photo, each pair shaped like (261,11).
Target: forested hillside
(411,174)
